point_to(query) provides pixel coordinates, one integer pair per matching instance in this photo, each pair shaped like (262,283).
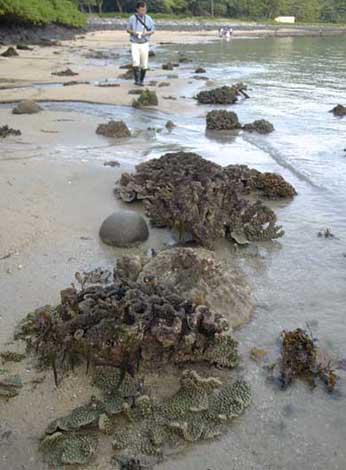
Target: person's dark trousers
(137,75)
(142,77)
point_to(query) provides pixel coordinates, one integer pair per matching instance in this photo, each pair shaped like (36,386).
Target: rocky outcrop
(222,120)
(116,129)
(10,52)
(194,196)
(223,95)
(260,126)
(339,110)
(27,107)
(123,229)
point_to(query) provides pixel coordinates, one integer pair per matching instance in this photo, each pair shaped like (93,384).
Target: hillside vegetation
(41,12)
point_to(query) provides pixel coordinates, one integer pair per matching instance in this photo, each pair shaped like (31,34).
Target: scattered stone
(109,85)
(194,196)
(170,125)
(223,95)
(24,47)
(326,233)
(167,66)
(6,131)
(153,82)
(222,120)
(123,229)
(111,163)
(164,84)
(198,77)
(172,76)
(65,73)
(27,107)
(10,52)
(170,97)
(126,66)
(146,98)
(152,53)
(260,126)
(116,129)
(339,110)
(200,70)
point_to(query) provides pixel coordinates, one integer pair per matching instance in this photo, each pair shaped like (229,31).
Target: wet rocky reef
(194,196)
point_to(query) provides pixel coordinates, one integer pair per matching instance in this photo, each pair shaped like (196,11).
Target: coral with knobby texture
(200,198)
(149,428)
(114,129)
(146,98)
(260,126)
(222,120)
(200,277)
(68,448)
(126,323)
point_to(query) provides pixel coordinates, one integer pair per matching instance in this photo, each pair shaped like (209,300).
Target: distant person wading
(140,28)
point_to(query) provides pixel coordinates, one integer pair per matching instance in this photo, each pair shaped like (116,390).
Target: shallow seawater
(299,279)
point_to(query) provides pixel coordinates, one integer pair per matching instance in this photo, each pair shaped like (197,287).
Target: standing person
(140,28)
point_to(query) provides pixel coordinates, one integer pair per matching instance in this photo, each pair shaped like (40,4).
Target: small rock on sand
(114,129)
(10,52)
(260,126)
(27,107)
(123,229)
(200,70)
(65,73)
(339,110)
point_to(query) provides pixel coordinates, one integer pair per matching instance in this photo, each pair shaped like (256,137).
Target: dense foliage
(303,10)
(40,12)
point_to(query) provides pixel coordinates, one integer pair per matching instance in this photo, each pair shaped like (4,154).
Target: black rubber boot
(142,77)
(136,74)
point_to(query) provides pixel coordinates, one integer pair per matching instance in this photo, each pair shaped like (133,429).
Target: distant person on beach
(140,28)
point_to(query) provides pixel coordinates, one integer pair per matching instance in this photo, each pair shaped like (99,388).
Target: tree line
(304,10)
(70,12)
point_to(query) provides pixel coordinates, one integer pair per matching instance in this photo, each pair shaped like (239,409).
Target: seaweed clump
(194,196)
(143,428)
(300,359)
(114,129)
(127,323)
(5,131)
(146,98)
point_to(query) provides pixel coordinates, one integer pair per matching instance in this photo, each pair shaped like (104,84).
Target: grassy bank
(40,12)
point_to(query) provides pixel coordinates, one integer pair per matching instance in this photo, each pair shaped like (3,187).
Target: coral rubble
(5,131)
(260,126)
(146,98)
(222,120)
